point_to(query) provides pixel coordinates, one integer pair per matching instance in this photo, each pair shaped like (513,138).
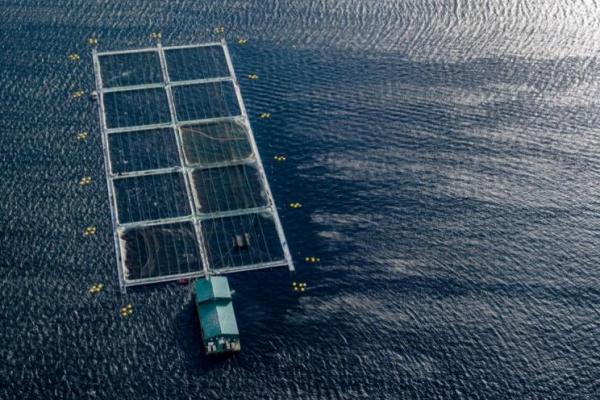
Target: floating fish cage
(188,192)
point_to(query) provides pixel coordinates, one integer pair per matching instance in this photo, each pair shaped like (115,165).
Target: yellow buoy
(92,41)
(253,77)
(219,29)
(242,41)
(82,136)
(96,288)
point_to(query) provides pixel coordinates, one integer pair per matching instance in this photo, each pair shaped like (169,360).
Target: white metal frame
(195,218)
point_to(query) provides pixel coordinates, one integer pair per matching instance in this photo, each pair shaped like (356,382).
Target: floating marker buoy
(298,287)
(74,57)
(253,77)
(295,205)
(265,115)
(219,29)
(242,41)
(92,41)
(127,310)
(156,35)
(86,180)
(82,136)
(280,158)
(89,231)
(78,94)
(96,288)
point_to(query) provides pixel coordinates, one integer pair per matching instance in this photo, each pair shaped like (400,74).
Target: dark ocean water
(445,153)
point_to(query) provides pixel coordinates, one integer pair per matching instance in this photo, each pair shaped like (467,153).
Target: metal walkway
(188,192)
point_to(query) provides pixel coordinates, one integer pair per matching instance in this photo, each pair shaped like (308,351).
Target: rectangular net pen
(188,192)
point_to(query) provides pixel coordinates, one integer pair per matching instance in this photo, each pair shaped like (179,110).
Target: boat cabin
(217,319)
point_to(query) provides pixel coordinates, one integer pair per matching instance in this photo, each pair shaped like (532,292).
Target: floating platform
(217,319)
(188,192)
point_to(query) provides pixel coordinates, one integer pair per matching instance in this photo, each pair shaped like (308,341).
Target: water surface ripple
(445,152)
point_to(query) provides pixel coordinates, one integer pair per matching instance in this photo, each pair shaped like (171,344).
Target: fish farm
(188,192)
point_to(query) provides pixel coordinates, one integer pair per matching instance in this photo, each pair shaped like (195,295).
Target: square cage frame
(198,219)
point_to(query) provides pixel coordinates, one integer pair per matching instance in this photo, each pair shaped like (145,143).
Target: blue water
(446,156)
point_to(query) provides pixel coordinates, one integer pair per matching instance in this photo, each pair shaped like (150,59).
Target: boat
(219,328)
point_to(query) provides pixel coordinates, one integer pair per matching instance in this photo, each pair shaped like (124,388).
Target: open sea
(446,154)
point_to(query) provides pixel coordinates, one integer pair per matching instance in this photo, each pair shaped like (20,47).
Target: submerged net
(159,250)
(215,142)
(256,231)
(189,195)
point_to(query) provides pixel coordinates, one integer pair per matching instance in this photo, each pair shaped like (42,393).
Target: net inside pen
(188,191)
